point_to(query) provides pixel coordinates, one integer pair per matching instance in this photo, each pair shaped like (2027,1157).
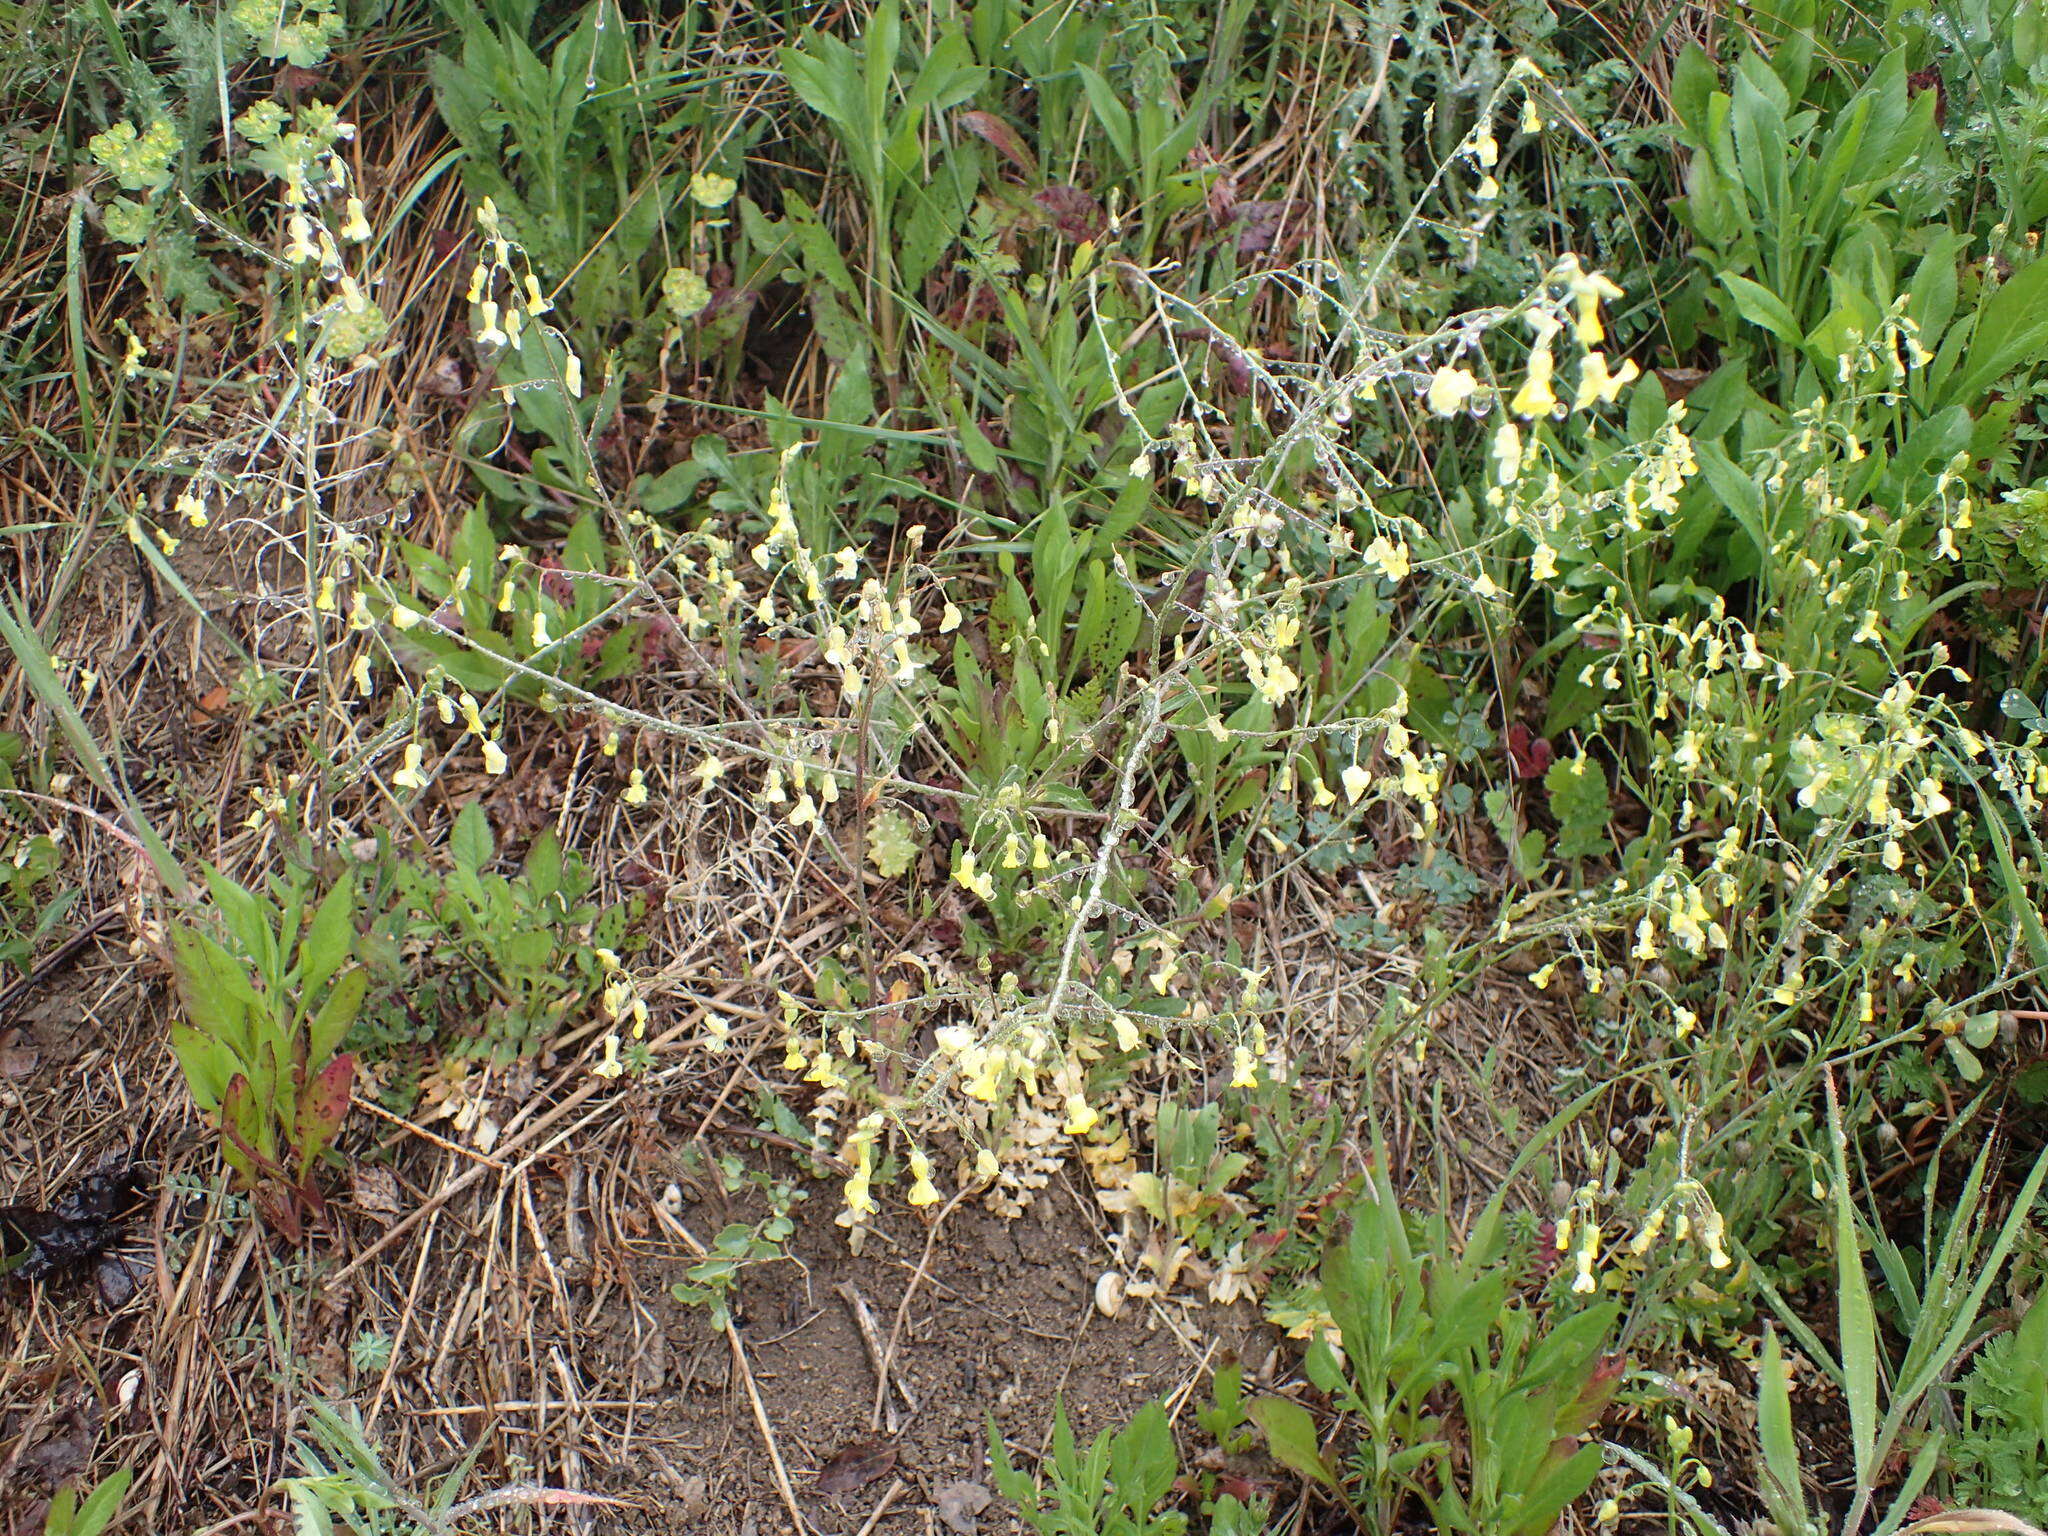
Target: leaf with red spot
(323,1105)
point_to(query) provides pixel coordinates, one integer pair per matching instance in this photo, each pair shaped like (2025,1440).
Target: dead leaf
(444,380)
(1680,382)
(374,1191)
(212,705)
(17,1058)
(694,1498)
(857,1465)
(959,1503)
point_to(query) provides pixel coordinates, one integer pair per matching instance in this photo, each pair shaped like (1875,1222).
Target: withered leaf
(959,1503)
(18,1057)
(857,1465)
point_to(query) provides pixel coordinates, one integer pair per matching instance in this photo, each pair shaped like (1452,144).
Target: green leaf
(1857,1320)
(1759,306)
(331,1025)
(1111,113)
(1783,1489)
(1539,1505)
(1142,1461)
(1290,1432)
(207,1063)
(214,990)
(981,453)
(330,937)
(470,843)
(2011,333)
(99,1508)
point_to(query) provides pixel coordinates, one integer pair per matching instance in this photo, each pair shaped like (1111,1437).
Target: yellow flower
(922,1190)
(710,190)
(611,1066)
(1244,1071)
(972,878)
(1588,289)
(1356,781)
(1081,1116)
(409,775)
(635,792)
(1389,557)
(705,772)
(1507,453)
(1449,389)
(1597,384)
(1543,563)
(1535,397)
(949,620)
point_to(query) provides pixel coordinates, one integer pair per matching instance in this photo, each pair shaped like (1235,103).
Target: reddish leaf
(1930,80)
(279,1208)
(1598,1391)
(1262,227)
(323,1105)
(857,1465)
(986,125)
(1528,754)
(212,704)
(1073,212)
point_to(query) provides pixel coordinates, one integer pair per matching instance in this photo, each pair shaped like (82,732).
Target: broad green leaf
(1290,1432)
(1111,113)
(207,1064)
(1539,1505)
(1142,1461)
(337,1014)
(2011,333)
(1759,306)
(214,989)
(101,1505)
(330,938)
(470,843)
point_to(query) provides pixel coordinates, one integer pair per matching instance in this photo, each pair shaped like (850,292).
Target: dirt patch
(1001,1323)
